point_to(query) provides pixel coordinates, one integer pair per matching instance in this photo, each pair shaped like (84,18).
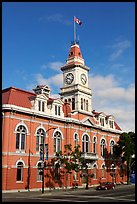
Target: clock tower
(75,88)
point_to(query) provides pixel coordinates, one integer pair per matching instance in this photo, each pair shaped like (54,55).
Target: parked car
(105,186)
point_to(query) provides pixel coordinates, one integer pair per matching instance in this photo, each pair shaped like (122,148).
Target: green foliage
(125,149)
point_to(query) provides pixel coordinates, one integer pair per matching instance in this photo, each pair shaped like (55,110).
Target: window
(21,137)
(86,105)
(95,171)
(39,138)
(94,144)
(85,143)
(76,138)
(81,103)
(39,177)
(102,121)
(57,141)
(41,106)
(19,175)
(111,124)
(103,171)
(57,171)
(73,103)
(111,147)
(57,110)
(103,146)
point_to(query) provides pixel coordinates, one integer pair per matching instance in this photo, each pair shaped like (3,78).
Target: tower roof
(75,55)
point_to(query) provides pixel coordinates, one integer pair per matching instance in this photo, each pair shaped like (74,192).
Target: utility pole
(43,164)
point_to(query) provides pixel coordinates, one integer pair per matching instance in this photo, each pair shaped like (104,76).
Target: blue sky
(36,38)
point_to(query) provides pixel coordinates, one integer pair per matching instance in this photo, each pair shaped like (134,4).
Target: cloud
(58,18)
(53,65)
(118,49)
(111,98)
(54,82)
(108,96)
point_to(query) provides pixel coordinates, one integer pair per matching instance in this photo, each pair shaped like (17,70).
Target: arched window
(81,103)
(39,138)
(19,175)
(94,144)
(95,171)
(103,146)
(112,147)
(21,137)
(57,141)
(39,176)
(76,138)
(103,171)
(85,143)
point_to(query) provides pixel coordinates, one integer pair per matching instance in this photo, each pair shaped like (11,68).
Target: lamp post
(43,160)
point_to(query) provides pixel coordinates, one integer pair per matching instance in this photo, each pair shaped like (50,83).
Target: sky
(36,39)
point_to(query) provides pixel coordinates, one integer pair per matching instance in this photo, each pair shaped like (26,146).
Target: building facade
(28,117)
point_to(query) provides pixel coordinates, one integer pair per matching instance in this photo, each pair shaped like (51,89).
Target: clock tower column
(75,88)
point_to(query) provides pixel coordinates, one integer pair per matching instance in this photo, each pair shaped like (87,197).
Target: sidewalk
(46,192)
(55,192)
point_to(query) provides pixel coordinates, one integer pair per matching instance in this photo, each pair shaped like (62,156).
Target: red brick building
(30,116)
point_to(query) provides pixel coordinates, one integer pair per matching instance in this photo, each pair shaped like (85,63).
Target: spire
(75,55)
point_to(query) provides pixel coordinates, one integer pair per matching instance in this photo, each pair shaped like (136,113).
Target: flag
(77,20)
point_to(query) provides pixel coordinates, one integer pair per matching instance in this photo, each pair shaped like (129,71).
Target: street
(122,193)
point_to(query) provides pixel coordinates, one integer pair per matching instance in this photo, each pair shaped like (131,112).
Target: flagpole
(74,30)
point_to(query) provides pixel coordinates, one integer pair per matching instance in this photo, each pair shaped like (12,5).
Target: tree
(125,151)
(66,161)
(72,160)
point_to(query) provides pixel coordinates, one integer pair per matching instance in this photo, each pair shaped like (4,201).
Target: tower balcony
(90,155)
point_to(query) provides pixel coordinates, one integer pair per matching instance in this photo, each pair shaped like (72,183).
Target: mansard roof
(23,98)
(18,97)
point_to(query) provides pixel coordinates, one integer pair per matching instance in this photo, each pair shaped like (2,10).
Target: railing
(90,155)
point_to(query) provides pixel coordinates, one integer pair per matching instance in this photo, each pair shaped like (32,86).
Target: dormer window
(41,106)
(111,124)
(57,110)
(102,121)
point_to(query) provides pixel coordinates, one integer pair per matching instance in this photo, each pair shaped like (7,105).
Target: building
(28,117)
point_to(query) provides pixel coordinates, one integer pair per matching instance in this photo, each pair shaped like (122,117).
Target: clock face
(83,79)
(69,78)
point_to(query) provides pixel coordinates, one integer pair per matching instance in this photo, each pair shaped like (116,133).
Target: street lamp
(43,160)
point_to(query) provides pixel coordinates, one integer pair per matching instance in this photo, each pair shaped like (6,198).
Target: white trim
(102,165)
(104,139)
(94,136)
(39,161)
(74,136)
(20,160)
(41,127)
(58,131)
(95,164)
(111,141)
(85,133)
(23,124)
(42,114)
